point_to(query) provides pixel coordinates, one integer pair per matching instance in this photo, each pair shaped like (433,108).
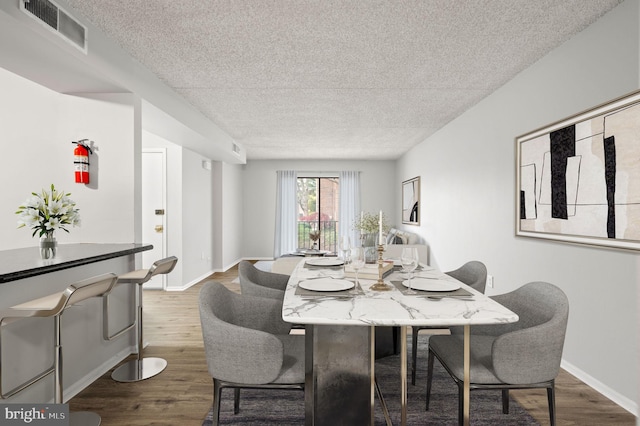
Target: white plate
(428,274)
(431,285)
(326,284)
(324,261)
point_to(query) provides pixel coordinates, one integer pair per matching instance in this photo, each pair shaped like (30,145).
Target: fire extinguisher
(81,160)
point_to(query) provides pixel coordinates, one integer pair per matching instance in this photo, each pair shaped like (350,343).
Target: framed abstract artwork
(578,180)
(411,201)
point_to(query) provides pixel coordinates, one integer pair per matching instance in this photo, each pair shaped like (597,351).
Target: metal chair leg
(140,368)
(236,400)
(505,401)
(78,418)
(551,396)
(217,393)
(460,403)
(57,361)
(414,353)
(429,377)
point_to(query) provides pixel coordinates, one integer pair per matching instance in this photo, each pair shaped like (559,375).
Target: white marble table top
(387,308)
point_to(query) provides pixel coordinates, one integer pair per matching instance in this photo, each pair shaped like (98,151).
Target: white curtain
(349,205)
(286,238)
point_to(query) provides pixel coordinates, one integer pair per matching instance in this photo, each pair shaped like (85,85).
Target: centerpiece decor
(45,213)
(371,227)
(314,235)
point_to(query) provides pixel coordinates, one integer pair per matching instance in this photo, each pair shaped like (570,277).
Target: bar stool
(54,306)
(142,368)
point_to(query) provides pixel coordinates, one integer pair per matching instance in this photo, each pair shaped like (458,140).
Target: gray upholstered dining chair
(247,344)
(254,282)
(520,355)
(473,274)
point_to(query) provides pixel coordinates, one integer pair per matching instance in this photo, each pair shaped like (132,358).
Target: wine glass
(409,259)
(345,247)
(357,260)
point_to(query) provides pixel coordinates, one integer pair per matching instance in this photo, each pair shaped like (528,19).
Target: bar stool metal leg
(140,368)
(77,418)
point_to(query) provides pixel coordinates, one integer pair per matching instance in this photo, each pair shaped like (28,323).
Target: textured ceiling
(336,79)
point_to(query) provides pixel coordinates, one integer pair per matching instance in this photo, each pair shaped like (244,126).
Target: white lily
(57,208)
(48,211)
(34,202)
(52,224)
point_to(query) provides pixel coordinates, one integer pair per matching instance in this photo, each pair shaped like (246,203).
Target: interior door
(154,211)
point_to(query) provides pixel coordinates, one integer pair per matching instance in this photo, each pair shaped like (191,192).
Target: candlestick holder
(380,285)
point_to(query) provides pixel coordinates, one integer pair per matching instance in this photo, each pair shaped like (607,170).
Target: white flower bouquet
(368,223)
(47,212)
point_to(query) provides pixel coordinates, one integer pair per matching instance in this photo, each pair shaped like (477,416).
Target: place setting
(324,286)
(434,289)
(324,262)
(327,283)
(416,279)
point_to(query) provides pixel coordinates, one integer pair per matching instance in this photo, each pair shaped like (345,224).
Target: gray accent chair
(254,282)
(247,344)
(521,355)
(473,274)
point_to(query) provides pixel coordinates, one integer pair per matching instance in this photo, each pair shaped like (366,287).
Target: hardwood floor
(182,394)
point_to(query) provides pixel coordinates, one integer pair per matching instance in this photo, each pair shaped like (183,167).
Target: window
(318,212)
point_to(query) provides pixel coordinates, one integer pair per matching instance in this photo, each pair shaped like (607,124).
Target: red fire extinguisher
(81,160)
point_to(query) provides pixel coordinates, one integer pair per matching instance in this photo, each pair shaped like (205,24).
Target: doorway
(154,211)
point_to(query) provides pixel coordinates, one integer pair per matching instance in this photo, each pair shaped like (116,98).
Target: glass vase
(48,247)
(370,250)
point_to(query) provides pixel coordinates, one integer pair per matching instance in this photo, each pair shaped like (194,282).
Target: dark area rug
(284,408)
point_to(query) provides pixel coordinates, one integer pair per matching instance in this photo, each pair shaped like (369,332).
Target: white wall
(468,199)
(38,126)
(227,206)
(233,220)
(376,184)
(197,226)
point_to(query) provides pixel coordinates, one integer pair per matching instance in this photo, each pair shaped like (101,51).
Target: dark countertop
(23,263)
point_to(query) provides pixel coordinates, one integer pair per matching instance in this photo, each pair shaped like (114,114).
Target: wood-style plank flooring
(182,394)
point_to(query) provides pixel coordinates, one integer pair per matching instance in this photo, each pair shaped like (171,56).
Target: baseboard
(96,373)
(624,402)
(235,262)
(202,277)
(230,265)
(191,283)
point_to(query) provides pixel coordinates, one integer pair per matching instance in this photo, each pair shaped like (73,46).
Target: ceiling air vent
(236,149)
(57,20)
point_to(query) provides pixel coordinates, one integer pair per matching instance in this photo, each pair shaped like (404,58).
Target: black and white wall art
(578,180)
(411,201)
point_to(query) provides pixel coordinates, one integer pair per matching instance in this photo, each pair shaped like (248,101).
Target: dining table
(340,315)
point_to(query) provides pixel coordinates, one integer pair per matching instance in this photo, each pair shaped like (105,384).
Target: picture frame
(578,180)
(411,201)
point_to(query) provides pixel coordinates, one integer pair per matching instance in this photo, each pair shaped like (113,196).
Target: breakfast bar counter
(27,344)
(26,262)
